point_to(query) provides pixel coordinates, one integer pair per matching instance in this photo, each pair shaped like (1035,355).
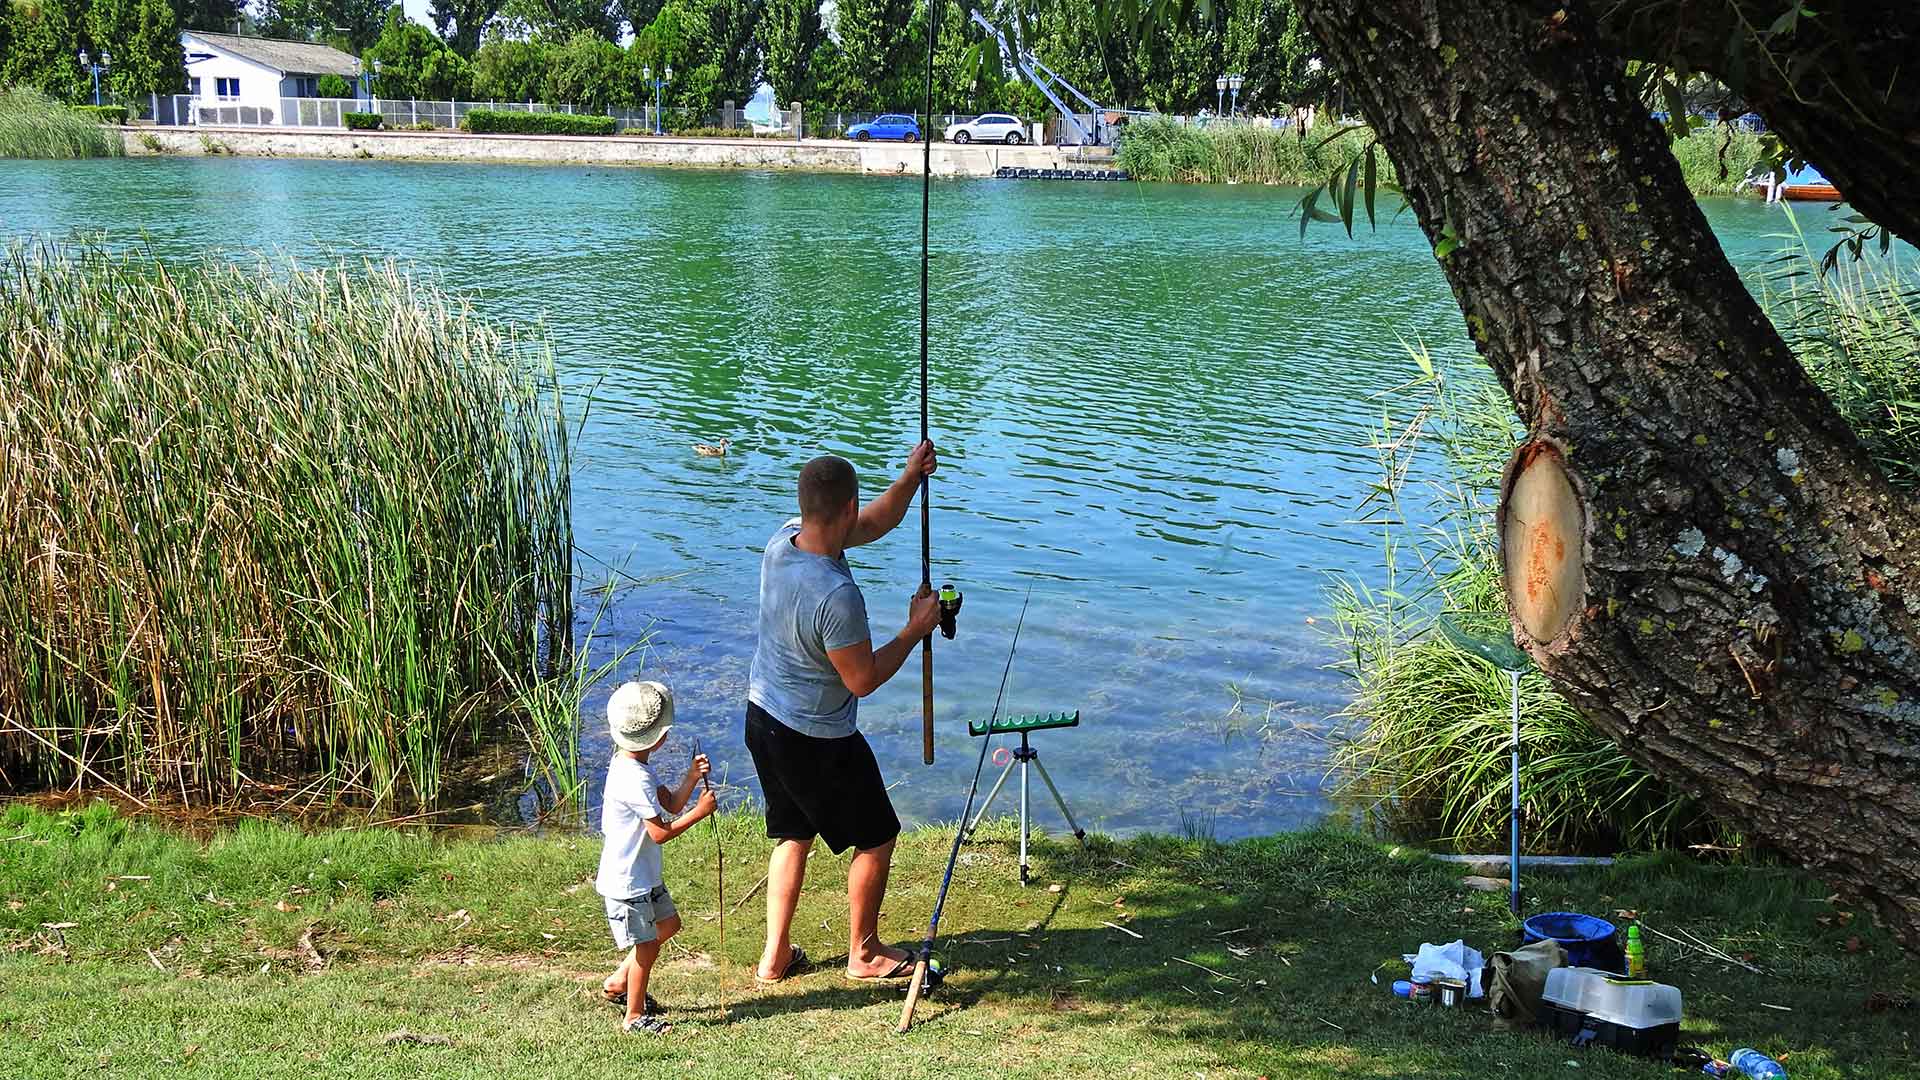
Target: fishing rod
(926,534)
(918,985)
(719,880)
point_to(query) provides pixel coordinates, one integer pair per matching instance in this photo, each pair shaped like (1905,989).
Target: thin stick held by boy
(634,813)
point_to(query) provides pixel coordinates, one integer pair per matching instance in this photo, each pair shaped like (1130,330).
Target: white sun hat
(639,715)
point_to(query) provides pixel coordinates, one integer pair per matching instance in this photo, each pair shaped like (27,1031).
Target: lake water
(1152,404)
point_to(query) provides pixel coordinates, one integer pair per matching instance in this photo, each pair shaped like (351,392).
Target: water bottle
(1636,954)
(1757,1065)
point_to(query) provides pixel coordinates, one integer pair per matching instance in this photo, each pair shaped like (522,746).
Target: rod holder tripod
(1025,757)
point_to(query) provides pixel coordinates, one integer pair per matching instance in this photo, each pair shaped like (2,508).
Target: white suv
(991,127)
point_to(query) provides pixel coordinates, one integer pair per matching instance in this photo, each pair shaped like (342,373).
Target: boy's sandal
(646,1025)
(796,963)
(619,1001)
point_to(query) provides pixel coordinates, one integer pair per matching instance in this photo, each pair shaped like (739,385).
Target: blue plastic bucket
(1589,941)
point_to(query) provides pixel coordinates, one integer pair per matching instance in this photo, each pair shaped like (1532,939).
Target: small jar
(1422,992)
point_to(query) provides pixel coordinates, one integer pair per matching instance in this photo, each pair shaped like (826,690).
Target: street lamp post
(1233,83)
(1219,94)
(366,80)
(106,61)
(646,76)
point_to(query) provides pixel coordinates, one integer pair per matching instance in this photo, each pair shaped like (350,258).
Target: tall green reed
(1856,329)
(1719,159)
(1428,751)
(33,125)
(259,524)
(1159,148)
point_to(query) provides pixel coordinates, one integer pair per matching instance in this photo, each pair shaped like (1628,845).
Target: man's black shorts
(830,788)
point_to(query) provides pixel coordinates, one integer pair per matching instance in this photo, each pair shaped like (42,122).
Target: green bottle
(1636,954)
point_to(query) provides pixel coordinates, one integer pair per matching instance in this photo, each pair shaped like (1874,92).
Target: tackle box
(1598,1008)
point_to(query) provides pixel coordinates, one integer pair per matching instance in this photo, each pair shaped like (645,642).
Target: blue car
(890,126)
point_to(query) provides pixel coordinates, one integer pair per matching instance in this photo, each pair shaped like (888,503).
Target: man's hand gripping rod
(919,983)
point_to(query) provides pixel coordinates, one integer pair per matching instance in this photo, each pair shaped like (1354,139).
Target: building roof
(286,57)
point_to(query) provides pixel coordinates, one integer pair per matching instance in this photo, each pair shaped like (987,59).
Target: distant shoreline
(812,155)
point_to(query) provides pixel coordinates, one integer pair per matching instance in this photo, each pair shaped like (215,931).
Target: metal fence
(330,113)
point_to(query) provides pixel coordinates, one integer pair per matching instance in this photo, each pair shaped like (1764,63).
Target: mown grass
(269,952)
(33,125)
(1158,148)
(267,529)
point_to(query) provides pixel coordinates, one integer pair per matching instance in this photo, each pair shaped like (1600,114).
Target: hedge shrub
(106,114)
(491,121)
(362,121)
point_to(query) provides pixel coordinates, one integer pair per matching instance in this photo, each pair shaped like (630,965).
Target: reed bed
(265,527)
(1719,158)
(1428,750)
(1429,746)
(33,125)
(1158,148)
(1856,329)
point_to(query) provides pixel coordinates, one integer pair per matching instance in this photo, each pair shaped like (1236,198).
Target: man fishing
(813,661)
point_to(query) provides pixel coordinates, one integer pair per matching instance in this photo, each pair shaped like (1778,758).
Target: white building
(255,78)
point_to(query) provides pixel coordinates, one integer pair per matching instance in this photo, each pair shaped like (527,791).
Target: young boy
(633,816)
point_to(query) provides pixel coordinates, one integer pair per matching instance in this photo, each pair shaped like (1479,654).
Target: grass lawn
(127,949)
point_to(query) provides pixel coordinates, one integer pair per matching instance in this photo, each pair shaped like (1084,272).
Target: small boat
(1804,184)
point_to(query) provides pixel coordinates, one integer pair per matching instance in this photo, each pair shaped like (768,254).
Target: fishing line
(960,832)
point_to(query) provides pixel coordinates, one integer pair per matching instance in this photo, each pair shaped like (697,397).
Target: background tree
(143,37)
(506,70)
(588,72)
(558,20)
(791,33)
(414,63)
(333,86)
(1701,555)
(316,20)
(713,46)
(218,16)
(877,53)
(44,41)
(460,23)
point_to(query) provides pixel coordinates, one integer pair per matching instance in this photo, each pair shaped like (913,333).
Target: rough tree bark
(1747,622)
(1840,87)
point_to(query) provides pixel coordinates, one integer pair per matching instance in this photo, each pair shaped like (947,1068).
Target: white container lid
(1633,1003)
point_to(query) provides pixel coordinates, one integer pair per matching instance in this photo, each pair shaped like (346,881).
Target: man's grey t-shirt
(809,604)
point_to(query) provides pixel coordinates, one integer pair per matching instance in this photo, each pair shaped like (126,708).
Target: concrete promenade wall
(813,155)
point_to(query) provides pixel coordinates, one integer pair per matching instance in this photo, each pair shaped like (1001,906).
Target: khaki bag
(1519,978)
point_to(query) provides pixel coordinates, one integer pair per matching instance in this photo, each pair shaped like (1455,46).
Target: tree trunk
(1839,87)
(1746,585)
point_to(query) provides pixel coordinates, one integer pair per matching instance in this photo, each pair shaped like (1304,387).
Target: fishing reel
(950,600)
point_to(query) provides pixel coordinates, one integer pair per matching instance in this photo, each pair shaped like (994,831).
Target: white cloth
(1456,961)
(629,858)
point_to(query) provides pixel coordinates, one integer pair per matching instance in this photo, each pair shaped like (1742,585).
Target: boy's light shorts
(636,921)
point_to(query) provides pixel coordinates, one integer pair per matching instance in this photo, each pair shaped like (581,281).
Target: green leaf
(1346,201)
(1372,182)
(1445,247)
(1785,23)
(1307,203)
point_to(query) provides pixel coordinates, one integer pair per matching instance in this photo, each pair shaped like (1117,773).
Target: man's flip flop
(901,970)
(796,963)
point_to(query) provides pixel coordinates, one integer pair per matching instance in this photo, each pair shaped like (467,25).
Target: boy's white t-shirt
(629,858)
